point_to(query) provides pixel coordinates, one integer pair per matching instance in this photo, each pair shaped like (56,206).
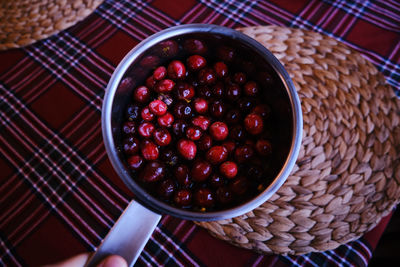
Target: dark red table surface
(59,194)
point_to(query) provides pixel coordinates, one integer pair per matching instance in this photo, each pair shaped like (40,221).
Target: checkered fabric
(59,194)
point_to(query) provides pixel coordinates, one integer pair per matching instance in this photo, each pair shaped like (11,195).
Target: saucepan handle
(128,236)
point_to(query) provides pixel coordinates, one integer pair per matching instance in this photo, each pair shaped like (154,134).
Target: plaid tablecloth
(59,194)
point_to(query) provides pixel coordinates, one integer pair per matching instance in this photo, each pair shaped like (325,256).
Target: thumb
(81,259)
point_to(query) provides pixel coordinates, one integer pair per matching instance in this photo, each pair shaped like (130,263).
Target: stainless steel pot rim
(140,194)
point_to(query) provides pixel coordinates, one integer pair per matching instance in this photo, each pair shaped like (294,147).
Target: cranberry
(226,53)
(201,170)
(255,172)
(146,129)
(263,147)
(204,92)
(204,197)
(158,107)
(185,91)
(224,195)
(196,62)
(195,46)
(243,153)
(160,73)
(221,70)
(228,169)
(206,76)
(169,156)
(239,78)
(217,154)
(183,198)
(135,162)
(201,122)
(181,173)
(233,116)
(166,188)
(126,84)
(219,130)
(217,109)
(132,112)
(129,128)
(141,94)
(150,61)
(168,48)
(131,145)
(166,120)
(193,133)
(150,82)
(246,104)
(263,110)
(233,93)
(240,185)
(176,70)
(205,142)
(182,110)
(253,123)
(200,105)
(229,145)
(237,133)
(265,77)
(216,180)
(179,127)
(162,137)
(187,149)
(164,86)
(218,89)
(152,172)
(146,114)
(149,151)
(251,88)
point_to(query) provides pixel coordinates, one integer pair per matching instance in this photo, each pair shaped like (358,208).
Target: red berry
(152,172)
(226,53)
(233,116)
(158,107)
(204,91)
(233,93)
(164,86)
(240,185)
(181,173)
(182,110)
(216,180)
(168,48)
(166,188)
(160,73)
(263,110)
(166,120)
(146,129)
(201,122)
(219,130)
(204,197)
(129,128)
(217,109)
(251,88)
(195,46)
(162,137)
(218,89)
(253,123)
(201,170)
(263,147)
(126,84)
(176,70)
(141,94)
(135,162)
(185,91)
(229,145)
(200,105)
(150,82)
(243,153)
(205,142)
(183,198)
(228,169)
(146,114)
(150,61)
(179,127)
(196,62)
(224,195)
(221,70)
(217,154)
(131,145)
(187,149)
(193,133)
(206,76)
(239,78)
(149,151)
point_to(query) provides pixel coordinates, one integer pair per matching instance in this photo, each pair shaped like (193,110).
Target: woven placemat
(23,22)
(347,175)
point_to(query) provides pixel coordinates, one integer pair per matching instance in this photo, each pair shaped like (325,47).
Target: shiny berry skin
(216,180)
(219,131)
(176,70)
(146,114)
(264,147)
(166,120)
(221,70)
(129,128)
(206,76)
(193,133)
(229,145)
(150,61)
(205,142)
(168,48)
(179,127)
(181,174)
(133,112)
(218,90)
(164,86)
(160,73)
(239,78)
(204,197)
(126,84)
(201,122)
(168,155)
(166,188)
(204,92)
(153,171)
(183,197)
(237,133)
(149,151)
(196,62)
(200,105)
(233,92)
(246,104)
(251,88)
(195,46)
(217,109)
(254,123)
(217,154)
(226,53)
(183,110)
(162,137)
(150,82)
(243,153)
(263,110)
(131,145)
(200,171)
(135,162)
(185,91)
(228,169)
(187,149)
(233,116)
(158,107)
(141,94)
(239,186)
(224,195)
(146,129)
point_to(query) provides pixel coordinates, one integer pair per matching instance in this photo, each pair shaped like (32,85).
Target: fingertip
(113,261)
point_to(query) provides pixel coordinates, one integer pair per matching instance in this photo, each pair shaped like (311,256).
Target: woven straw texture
(347,176)
(23,22)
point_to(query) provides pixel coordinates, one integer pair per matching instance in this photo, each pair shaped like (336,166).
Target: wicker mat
(23,22)
(347,176)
